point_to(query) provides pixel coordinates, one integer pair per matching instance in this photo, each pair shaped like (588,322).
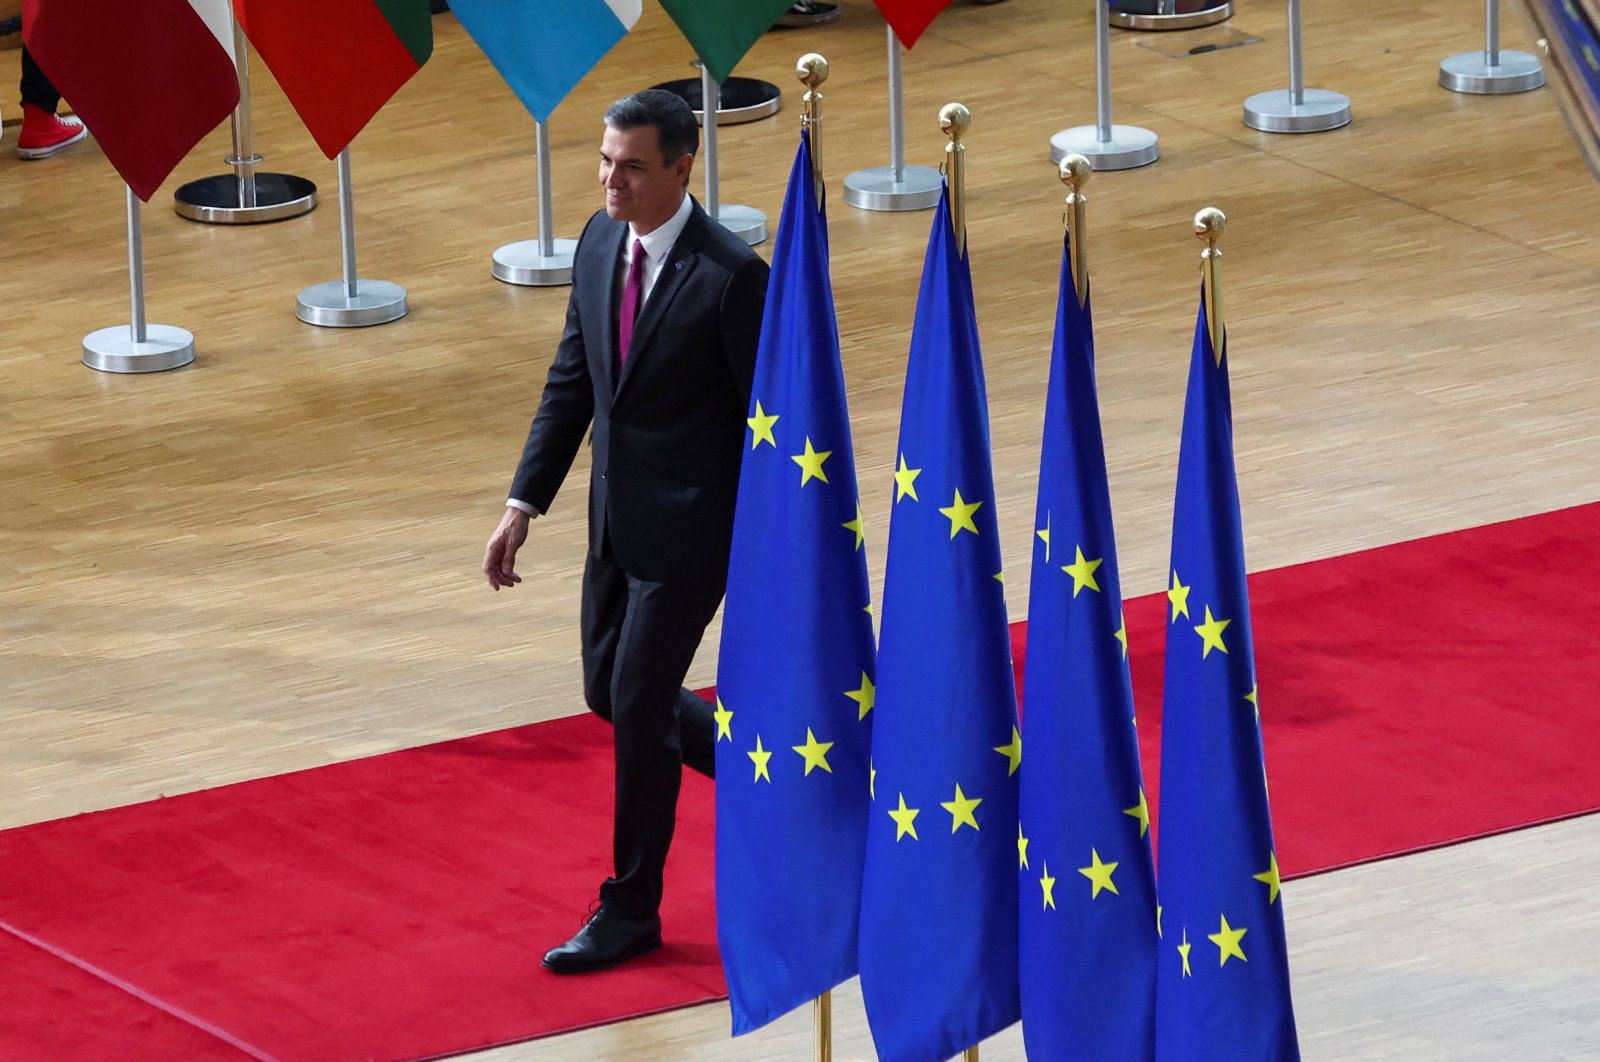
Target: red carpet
(393,907)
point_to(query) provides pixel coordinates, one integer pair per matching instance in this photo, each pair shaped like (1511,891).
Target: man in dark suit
(657,355)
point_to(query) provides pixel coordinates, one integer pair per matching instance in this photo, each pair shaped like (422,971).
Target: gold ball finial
(1210,224)
(955,120)
(812,70)
(1075,171)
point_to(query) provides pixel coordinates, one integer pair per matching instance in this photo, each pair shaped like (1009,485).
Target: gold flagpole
(1209,225)
(955,120)
(1075,170)
(812,70)
(823,1012)
(970,1054)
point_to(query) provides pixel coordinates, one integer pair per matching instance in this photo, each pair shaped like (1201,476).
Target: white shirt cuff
(524,506)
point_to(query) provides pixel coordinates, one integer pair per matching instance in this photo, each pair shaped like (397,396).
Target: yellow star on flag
(760,757)
(1044,536)
(961,809)
(872,781)
(1012,752)
(815,752)
(724,718)
(1022,849)
(1269,877)
(905,480)
(856,525)
(1121,635)
(1048,884)
(1183,950)
(905,820)
(866,695)
(810,463)
(1140,811)
(1082,572)
(960,513)
(1251,697)
(1179,596)
(761,428)
(1099,875)
(1227,941)
(1210,633)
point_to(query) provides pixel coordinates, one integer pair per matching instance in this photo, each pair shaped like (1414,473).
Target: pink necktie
(632,293)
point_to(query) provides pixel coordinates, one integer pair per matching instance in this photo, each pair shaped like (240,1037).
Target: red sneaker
(44,133)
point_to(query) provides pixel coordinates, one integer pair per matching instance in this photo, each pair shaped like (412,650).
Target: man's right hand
(500,555)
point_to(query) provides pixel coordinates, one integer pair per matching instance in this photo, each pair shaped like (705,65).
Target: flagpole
(954,121)
(747,223)
(1491,72)
(350,302)
(1075,171)
(544,262)
(1209,225)
(1297,109)
(1105,145)
(823,1012)
(895,186)
(244,196)
(137,346)
(812,70)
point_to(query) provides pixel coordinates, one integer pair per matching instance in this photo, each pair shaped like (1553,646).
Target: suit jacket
(669,433)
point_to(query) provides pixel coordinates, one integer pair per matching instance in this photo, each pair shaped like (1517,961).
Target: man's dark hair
(667,111)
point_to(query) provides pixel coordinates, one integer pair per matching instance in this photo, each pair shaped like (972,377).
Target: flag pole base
(375,302)
(216,200)
(115,350)
(918,188)
(523,263)
(1276,112)
(1470,72)
(742,99)
(747,223)
(1187,20)
(1129,147)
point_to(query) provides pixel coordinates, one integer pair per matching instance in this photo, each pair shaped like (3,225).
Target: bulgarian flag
(149,79)
(542,49)
(721,31)
(338,61)
(910,17)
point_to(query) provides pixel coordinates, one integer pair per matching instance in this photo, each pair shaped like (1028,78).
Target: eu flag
(1222,983)
(939,903)
(795,685)
(1087,887)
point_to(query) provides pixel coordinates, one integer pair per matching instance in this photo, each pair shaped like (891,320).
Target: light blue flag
(1222,982)
(1087,887)
(939,903)
(544,49)
(795,675)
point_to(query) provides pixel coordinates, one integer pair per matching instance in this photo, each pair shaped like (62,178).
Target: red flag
(338,61)
(149,79)
(910,17)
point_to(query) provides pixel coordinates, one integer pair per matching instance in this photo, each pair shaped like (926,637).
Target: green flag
(721,31)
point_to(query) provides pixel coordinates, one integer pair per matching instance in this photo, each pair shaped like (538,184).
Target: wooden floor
(268,561)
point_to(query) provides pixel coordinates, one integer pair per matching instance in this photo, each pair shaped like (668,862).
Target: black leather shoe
(605,940)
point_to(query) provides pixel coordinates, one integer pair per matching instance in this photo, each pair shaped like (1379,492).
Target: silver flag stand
(244,197)
(895,186)
(137,346)
(351,302)
(1491,72)
(1166,16)
(545,262)
(1297,109)
(1106,146)
(747,223)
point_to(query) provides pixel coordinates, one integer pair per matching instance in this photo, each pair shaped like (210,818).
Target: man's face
(640,186)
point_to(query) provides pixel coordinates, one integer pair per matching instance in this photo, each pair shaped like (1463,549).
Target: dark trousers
(639,639)
(36,88)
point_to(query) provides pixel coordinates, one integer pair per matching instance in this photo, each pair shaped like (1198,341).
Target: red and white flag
(910,17)
(149,79)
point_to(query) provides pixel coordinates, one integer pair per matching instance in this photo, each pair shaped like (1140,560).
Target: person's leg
(37,91)
(43,131)
(605,605)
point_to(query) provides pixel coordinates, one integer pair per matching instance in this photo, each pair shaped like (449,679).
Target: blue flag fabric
(542,49)
(795,674)
(1222,984)
(1087,890)
(939,903)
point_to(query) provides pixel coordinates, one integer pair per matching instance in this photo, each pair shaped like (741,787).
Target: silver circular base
(742,99)
(522,263)
(1188,20)
(216,200)
(114,350)
(918,188)
(1470,72)
(375,302)
(747,223)
(1129,147)
(1276,112)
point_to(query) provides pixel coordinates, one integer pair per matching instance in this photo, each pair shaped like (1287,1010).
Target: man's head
(646,155)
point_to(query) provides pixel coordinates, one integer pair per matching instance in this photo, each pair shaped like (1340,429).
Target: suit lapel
(607,354)
(675,272)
